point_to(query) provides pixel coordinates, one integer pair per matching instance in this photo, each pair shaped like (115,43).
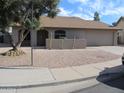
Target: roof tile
(72,22)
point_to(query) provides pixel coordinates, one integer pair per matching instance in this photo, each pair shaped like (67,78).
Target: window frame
(60,34)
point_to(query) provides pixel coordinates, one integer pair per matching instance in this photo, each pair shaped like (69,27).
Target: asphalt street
(115,86)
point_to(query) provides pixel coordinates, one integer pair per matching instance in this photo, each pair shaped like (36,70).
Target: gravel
(65,58)
(57,58)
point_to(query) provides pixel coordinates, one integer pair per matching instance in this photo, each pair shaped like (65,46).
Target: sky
(109,10)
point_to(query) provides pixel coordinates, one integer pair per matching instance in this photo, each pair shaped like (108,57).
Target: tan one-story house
(120,24)
(71,29)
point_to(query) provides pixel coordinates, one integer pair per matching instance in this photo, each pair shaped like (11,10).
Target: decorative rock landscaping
(56,58)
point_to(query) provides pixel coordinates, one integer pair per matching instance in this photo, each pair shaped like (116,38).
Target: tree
(114,23)
(96,16)
(26,13)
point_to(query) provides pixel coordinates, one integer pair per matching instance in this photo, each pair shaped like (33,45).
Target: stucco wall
(93,37)
(66,43)
(33,38)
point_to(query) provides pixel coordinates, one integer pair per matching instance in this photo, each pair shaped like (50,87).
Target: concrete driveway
(119,50)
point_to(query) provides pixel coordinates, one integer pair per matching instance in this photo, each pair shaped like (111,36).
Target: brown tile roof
(72,22)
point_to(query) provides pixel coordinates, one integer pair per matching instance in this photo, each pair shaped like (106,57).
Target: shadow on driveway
(114,78)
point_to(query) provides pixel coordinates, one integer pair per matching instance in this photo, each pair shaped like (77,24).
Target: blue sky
(110,10)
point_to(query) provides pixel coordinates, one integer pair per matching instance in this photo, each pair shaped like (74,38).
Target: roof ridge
(65,17)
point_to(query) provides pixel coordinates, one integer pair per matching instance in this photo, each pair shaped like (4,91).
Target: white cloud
(83,16)
(113,11)
(120,10)
(96,5)
(80,1)
(106,8)
(86,8)
(64,12)
(87,16)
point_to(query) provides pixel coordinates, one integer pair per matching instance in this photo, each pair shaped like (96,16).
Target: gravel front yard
(24,60)
(57,58)
(65,58)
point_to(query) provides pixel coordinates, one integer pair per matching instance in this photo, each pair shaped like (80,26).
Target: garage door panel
(99,37)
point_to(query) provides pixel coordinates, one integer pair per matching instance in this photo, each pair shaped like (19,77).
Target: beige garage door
(99,38)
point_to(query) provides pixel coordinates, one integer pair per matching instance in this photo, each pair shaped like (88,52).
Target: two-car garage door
(99,38)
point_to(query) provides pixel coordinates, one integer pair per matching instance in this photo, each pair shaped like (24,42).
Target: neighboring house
(94,32)
(120,24)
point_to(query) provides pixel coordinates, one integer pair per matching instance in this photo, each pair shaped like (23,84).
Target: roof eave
(86,28)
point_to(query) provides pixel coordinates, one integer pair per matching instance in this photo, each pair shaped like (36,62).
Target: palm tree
(26,13)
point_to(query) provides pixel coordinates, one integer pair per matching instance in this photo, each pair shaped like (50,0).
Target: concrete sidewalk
(19,77)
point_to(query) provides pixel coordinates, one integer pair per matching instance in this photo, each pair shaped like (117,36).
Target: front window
(60,34)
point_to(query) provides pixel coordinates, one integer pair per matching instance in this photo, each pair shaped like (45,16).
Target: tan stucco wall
(93,37)
(65,43)
(33,38)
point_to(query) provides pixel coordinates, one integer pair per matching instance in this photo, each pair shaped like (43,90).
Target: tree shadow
(113,77)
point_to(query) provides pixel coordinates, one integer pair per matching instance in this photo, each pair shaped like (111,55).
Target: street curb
(56,83)
(53,83)
(21,67)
